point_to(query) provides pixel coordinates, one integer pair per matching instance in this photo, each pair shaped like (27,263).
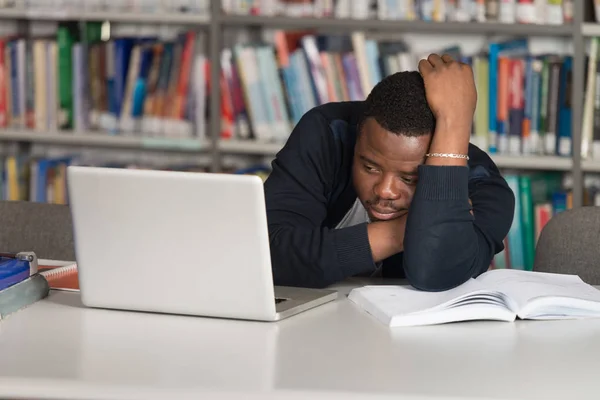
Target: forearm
(449,258)
(318,257)
(441,243)
(444,245)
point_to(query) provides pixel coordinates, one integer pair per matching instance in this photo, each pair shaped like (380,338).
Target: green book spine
(93,32)
(23,294)
(66,37)
(527,221)
(544,185)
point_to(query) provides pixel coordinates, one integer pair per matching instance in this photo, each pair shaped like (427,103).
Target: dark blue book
(13,271)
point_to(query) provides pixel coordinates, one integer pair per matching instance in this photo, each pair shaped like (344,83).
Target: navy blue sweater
(310,190)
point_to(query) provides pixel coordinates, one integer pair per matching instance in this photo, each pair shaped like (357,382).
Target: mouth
(384,215)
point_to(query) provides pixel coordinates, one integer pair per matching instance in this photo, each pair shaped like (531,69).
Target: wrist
(442,184)
(386,239)
(450,137)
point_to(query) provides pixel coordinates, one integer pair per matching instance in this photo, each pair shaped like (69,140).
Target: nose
(388,188)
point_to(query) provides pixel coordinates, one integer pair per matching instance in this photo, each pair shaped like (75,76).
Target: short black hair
(398,103)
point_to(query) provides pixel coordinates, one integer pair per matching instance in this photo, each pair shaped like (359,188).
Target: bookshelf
(216,25)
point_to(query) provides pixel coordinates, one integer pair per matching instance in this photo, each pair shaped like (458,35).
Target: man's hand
(452,97)
(387,237)
(450,89)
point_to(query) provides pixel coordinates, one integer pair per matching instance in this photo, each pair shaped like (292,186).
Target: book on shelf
(591,192)
(498,295)
(590,137)
(80,81)
(523,104)
(554,12)
(538,197)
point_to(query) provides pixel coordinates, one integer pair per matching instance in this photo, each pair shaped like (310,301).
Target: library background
(202,85)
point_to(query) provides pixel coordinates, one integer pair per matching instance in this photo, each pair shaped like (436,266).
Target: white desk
(57,348)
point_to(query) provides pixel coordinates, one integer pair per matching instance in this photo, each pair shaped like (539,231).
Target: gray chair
(570,244)
(46,229)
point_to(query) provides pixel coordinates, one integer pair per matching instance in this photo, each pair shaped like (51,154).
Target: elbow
(431,279)
(434,280)
(300,269)
(440,268)
(300,277)
(305,257)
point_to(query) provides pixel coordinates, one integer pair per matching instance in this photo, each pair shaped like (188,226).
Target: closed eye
(410,180)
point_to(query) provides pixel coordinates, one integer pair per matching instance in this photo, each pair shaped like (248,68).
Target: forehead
(396,151)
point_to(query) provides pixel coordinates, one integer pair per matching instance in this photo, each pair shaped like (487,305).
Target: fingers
(447,58)
(425,67)
(435,60)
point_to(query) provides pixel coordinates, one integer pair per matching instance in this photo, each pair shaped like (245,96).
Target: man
(389,186)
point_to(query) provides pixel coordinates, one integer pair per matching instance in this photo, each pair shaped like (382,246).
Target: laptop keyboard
(279,300)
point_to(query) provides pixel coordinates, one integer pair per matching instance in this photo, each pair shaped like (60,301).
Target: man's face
(385,170)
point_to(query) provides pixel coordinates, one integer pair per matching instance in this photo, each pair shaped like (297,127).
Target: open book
(501,294)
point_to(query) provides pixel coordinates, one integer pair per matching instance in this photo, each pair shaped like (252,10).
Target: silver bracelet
(447,155)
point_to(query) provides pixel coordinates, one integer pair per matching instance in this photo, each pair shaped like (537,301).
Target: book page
(522,286)
(393,301)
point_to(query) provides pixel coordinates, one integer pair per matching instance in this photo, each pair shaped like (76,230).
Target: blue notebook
(13,271)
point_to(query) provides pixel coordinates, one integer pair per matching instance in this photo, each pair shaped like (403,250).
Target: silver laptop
(178,242)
